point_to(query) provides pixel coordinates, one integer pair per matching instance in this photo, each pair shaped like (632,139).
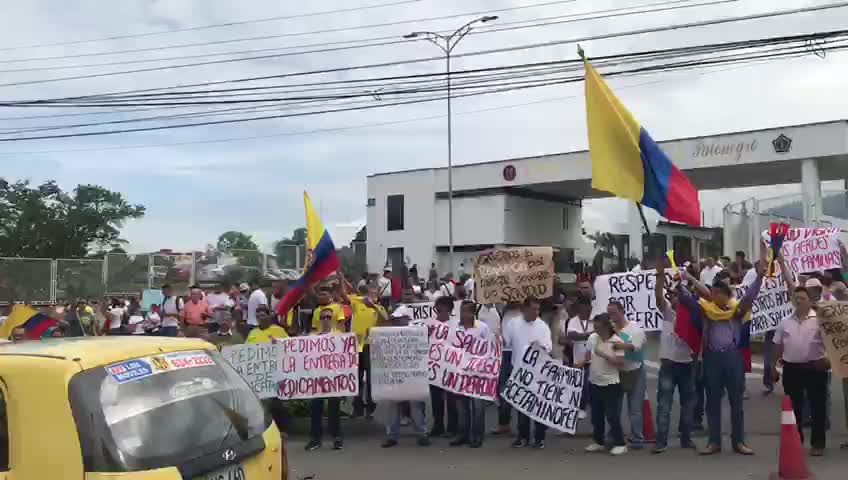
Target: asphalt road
(363,458)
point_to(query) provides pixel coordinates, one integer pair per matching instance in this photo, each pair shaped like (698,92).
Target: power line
(206,27)
(469,54)
(289,35)
(358,126)
(519,86)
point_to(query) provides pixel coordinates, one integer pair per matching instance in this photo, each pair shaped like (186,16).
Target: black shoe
(519,443)
(459,441)
(389,443)
(424,441)
(369,412)
(476,444)
(338,444)
(437,432)
(357,412)
(312,445)
(539,445)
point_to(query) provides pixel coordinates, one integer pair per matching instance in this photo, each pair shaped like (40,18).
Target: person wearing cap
(401,317)
(326,327)
(816,291)
(170,312)
(440,398)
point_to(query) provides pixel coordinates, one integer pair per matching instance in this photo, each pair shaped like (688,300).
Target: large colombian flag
(321,259)
(34,322)
(628,163)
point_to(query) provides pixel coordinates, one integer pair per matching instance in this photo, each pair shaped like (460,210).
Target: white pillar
(634,230)
(811,193)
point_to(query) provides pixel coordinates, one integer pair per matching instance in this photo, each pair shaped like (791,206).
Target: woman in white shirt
(605,386)
(116,317)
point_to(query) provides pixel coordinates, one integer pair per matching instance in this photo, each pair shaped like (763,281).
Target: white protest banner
(772,304)
(260,364)
(463,363)
(421,311)
(545,390)
(810,249)
(319,366)
(833,325)
(399,363)
(511,274)
(635,291)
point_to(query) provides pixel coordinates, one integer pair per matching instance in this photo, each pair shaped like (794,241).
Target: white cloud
(195,192)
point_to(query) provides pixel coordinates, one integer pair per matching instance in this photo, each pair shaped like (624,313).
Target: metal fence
(43,281)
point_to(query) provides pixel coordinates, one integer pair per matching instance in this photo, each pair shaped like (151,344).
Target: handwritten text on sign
(399,363)
(463,363)
(545,390)
(811,249)
(833,325)
(771,306)
(260,364)
(512,274)
(635,291)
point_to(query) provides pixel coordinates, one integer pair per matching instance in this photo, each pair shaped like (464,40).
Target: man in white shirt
(257,297)
(511,313)
(577,332)
(709,271)
(171,308)
(632,374)
(472,410)
(676,371)
(518,335)
(384,288)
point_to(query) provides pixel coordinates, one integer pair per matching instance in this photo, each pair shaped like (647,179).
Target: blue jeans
(634,384)
(418,419)
(725,371)
(168,331)
(680,376)
(473,418)
(504,408)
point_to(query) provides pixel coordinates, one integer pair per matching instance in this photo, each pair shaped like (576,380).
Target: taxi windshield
(162,410)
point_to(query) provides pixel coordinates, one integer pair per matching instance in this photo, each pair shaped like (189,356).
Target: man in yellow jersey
(367,311)
(267,331)
(325,300)
(326,317)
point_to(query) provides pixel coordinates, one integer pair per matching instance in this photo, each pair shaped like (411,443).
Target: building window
(371,202)
(394,212)
(564,218)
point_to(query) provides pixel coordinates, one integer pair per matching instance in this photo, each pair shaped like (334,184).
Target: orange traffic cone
(648,422)
(792,463)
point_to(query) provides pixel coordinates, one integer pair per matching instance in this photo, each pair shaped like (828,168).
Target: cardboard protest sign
(545,390)
(260,364)
(399,363)
(511,274)
(463,363)
(635,291)
(811,249)
(772,304)
(317,366)
(833,325)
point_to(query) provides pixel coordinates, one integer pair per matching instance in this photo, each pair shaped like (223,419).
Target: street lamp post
(447,43)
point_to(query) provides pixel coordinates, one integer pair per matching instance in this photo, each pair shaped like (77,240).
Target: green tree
(233,240)
(44,221)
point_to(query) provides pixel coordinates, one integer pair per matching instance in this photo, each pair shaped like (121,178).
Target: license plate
(231,472)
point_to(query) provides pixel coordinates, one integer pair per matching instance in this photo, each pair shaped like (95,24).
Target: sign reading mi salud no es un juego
(506,275)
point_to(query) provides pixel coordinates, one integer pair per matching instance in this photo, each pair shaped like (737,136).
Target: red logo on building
(509,173)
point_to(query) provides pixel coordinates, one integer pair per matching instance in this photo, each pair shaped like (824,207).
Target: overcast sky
(195,192)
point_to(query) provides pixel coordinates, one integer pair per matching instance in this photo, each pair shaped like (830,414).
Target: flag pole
(582,54)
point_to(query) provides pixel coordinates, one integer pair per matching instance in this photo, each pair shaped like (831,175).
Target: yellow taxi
(151,408)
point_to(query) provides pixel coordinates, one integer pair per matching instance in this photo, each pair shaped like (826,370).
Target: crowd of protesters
(607,346)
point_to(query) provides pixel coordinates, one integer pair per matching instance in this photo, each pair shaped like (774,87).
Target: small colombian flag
(626,161)
(321,259)
(34,322)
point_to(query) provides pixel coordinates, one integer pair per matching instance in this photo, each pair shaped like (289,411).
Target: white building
(537,200)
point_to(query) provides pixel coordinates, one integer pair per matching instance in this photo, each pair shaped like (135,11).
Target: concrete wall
(476,220)
(538,222)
